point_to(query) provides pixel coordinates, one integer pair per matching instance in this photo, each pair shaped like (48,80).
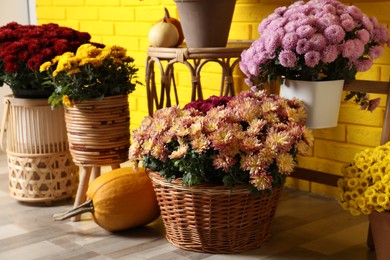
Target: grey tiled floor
(306,226)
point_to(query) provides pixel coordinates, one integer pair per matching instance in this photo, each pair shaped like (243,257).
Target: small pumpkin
(176,23)
(163,34)
(118,200)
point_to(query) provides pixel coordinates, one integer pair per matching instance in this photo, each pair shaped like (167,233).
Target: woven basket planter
(39,162)
(42,178)
(214,219)
(99,131)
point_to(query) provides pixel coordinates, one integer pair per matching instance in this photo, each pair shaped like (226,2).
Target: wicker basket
(99,131)
(40,166)
(214,219)
(42,178)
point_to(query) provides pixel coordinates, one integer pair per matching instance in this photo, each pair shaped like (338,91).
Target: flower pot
(99,131)
(214,219)
(39,162)
(32,93)
(321,98)
(380,228)
(206,23)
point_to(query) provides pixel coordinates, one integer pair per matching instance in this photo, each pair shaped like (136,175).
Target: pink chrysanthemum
(312,58)
(305,31)
(303,46)
(287,58)
(317,42)
(330,53)
(262,181)
(289,41)
(334,34)
(375,52)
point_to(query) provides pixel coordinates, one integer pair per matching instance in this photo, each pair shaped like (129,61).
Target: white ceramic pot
(321,98)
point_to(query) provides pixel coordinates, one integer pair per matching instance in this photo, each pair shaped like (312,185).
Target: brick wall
(127,23)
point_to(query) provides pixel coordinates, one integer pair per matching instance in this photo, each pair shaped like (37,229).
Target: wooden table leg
(115,166)
(85,173)
(95,173)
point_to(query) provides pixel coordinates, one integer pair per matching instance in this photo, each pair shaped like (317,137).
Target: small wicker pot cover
(39,162)
(214,219)
(99,131)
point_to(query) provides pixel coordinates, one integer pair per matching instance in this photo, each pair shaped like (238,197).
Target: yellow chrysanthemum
(361,202)
(378,186)
(366,211)
(95,62)
(382,199)
(45,66)
(66,101)
(352,183)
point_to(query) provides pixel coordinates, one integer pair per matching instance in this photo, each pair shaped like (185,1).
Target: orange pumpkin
(176,23)
(118,200)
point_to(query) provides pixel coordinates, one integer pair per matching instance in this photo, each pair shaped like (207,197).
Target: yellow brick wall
(127,23)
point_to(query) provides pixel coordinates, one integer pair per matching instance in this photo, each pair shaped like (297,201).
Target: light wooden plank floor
(306,226)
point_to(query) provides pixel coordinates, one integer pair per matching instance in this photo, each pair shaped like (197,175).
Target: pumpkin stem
(166,16)
(83,208)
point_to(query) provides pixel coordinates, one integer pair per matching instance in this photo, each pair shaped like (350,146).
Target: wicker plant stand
(214,219)
(99,135)
(40,165)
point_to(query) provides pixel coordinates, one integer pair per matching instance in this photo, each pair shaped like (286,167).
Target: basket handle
(4,122)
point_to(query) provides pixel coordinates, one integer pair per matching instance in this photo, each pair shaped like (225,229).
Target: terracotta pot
(321,98)
(206,23)
(380,228)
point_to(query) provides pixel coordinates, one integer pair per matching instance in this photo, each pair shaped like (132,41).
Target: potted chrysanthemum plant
(93,84)
(315,43)
(216,160)
(365,189)
(23,48)
(39,162)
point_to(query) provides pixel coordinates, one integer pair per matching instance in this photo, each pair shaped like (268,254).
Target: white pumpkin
(163,34)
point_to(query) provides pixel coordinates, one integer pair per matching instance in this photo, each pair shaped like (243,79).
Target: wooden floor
(306,227)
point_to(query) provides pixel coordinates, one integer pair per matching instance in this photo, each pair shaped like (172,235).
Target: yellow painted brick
(130,43)
(68,3)
(118,13)
(97,28)
(142,3)
(385,73)
(71,24)
(39,3)
(152,14)
(351,114)
(297,184)
(380,10)
(102,2)
(385,58)
(341,152)
(252,13)
(136,119)
(240,32)
(132,28)
(83,13)
(364,135)
(335,133)
(321,165)
(371,74)
(49,12)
